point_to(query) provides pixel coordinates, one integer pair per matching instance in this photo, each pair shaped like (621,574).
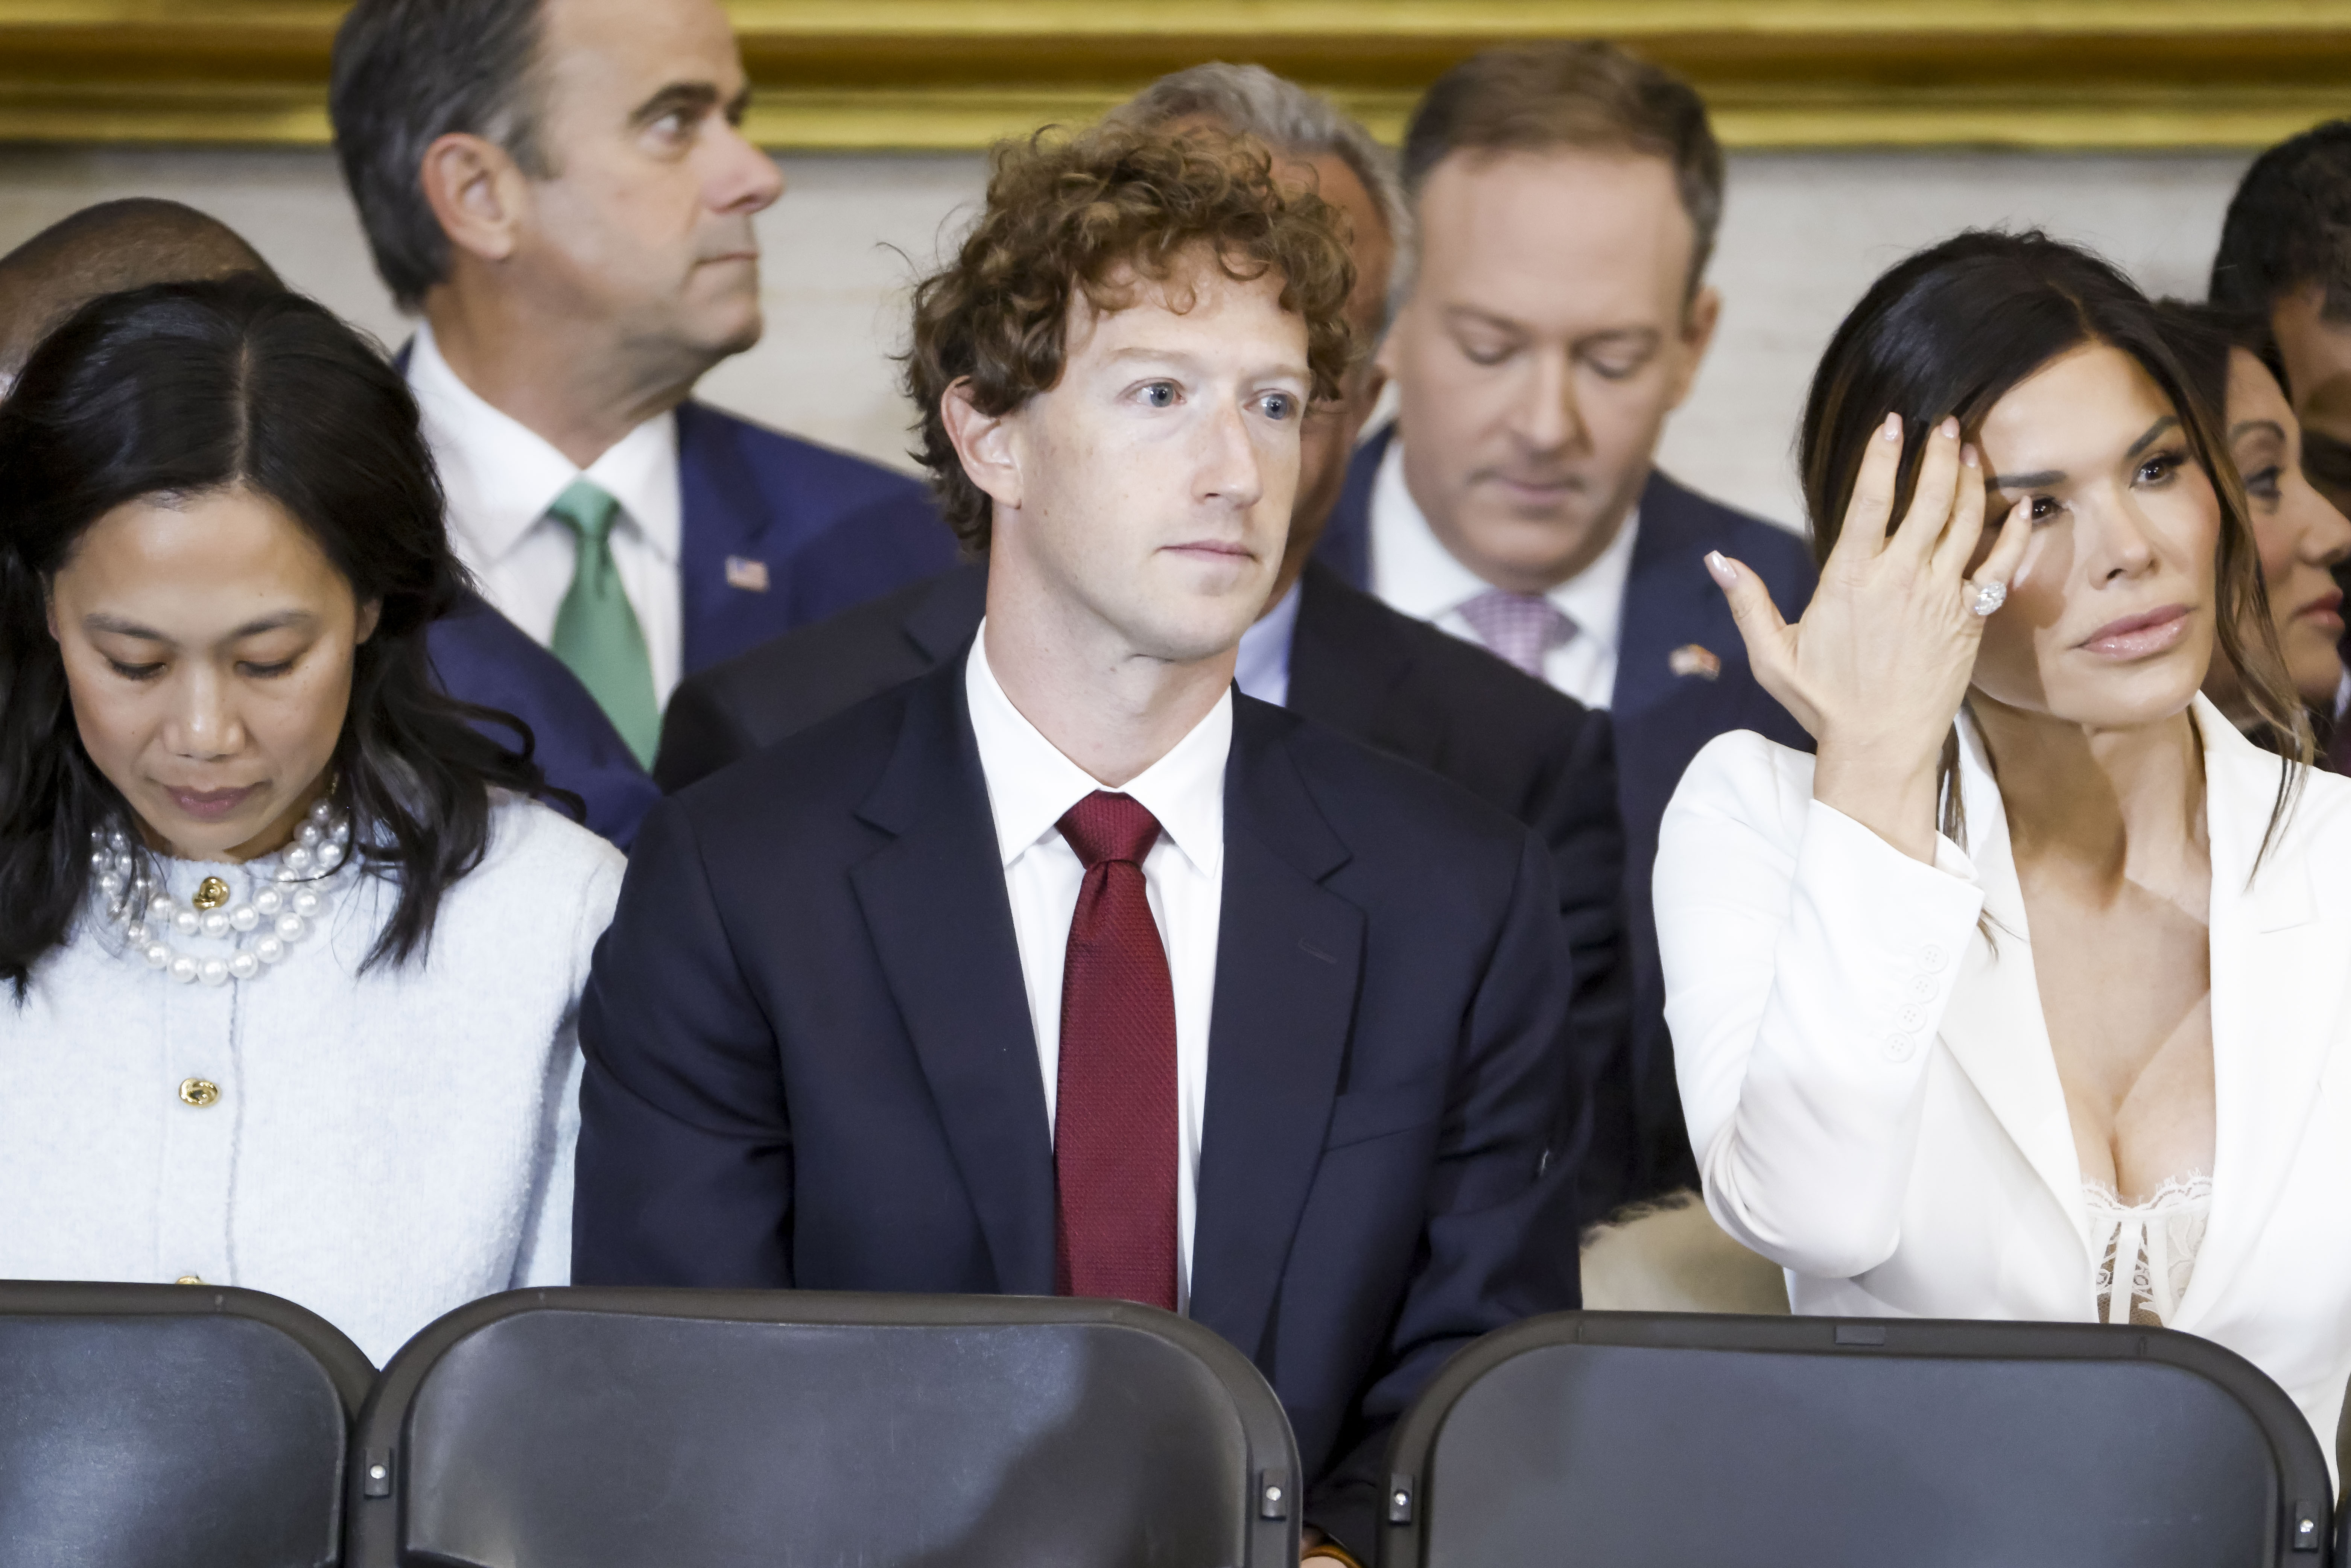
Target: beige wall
(1803,235)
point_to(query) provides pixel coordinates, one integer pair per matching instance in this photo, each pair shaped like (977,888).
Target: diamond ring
(1989,597)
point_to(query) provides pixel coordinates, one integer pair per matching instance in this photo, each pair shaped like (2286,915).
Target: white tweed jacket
(381,1147)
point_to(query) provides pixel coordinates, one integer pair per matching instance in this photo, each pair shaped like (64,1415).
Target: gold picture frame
(958,74)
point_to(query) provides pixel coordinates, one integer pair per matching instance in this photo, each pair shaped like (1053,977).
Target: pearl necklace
(284,915)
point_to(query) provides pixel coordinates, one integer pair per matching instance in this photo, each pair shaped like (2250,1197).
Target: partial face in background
(208,646)
(2300,533)
(1150,489)
(2109,622)
(1328,438)
(647,219)
(2317,354)
(1549,333)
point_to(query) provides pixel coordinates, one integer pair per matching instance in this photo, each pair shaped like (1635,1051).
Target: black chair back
(1659,1440)
(612,1428)
(170,1427)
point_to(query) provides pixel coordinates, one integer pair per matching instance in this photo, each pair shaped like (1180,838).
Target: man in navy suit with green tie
(561,190)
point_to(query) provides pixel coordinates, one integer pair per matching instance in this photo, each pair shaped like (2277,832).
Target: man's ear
(987,442)
(1697,333)
(478,194)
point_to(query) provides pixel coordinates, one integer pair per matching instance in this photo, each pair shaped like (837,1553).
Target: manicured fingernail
(1967,454)
(1949,430)
(1719,567)
(1892,429)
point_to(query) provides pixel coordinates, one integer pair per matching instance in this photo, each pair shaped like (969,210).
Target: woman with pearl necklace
(295,953)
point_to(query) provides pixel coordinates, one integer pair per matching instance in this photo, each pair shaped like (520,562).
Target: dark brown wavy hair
(1096,214)
(1947,333)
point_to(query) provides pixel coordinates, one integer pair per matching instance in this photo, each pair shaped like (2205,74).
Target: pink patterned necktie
(1519,627)
(1115,1109)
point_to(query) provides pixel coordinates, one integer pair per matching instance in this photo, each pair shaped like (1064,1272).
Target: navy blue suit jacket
(810,1059)
(781,532)
(482,658)
(776,532)
(1662,719)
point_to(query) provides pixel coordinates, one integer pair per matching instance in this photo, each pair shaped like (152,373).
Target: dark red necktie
(1115,1109)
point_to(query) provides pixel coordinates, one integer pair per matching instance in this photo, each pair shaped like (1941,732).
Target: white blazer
(1869,1084)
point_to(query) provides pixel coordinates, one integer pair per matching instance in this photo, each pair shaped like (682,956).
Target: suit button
(1897,1047)
(1931,957)
(1910,1015)
(187,1279)
(1923,987)
(198,1092)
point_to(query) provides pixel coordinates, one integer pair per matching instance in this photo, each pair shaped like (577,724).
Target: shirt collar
(501,476)
(1261,669)
(1419,576)
(1032,785)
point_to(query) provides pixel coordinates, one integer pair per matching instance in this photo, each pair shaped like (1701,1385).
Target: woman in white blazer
(2030,997)
(290,960)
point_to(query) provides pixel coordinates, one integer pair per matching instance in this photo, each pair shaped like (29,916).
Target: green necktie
(596,632)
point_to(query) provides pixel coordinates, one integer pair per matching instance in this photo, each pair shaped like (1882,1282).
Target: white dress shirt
(1414,572)
(1030,786)
(501,477)
(1261,668)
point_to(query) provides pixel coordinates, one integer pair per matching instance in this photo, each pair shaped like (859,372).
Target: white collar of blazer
(2269,952)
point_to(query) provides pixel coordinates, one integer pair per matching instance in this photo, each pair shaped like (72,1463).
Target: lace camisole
(2147,1252)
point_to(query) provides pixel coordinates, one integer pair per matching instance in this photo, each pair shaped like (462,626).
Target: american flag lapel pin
(1691,659)
(744,572)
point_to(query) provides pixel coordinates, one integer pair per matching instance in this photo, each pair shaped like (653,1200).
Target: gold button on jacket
(198,1092)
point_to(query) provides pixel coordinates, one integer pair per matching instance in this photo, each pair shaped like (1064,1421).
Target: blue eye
(1279,406)
(1159,394)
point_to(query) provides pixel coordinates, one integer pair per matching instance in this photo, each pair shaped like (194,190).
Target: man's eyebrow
(1620,335)
(698,97)
(1485,317)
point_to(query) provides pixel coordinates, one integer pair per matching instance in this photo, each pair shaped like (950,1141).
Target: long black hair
(185,387)
(1948,332)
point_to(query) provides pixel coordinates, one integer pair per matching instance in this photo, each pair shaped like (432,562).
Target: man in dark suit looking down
(1325,650)
(884,1007)
(1566,198)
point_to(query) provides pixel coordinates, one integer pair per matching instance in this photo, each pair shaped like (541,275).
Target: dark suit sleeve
(1499,1242)
(684,1171)
(1575,813)
(699,736)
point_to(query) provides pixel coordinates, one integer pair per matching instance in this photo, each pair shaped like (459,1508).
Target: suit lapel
(2272,955)
(1288,955)
(1668,601)
(935,904)
(1345,669)
(1993,1024)
(722,516)
(1346,543)
(942,622)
